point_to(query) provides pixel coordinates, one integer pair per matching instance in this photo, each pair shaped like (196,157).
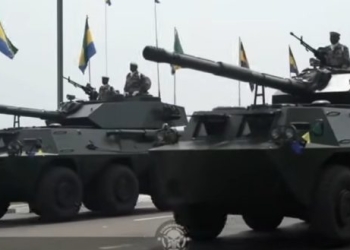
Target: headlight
(14,148)
(289,133)
(275,133)
(283,134)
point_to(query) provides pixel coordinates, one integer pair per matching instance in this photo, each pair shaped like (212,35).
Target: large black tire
(91,199)
(330,213)
(263,222)
(160,202)
(33,208)
(118,191)
(59,195)
(4,205)
(92,203)
(158,195)
(200,223)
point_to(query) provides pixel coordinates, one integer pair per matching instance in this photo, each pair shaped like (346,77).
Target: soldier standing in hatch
(106,90)
(136,83)
(337,55)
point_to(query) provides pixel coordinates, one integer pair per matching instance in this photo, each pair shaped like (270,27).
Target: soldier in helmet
(337,54)
(136,83)
(106,90)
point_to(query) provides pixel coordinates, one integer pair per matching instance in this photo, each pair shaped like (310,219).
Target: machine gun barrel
(286,85)
(307,46)
(74,83)
(27,112)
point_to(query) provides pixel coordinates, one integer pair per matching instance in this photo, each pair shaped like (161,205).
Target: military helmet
(133,66)
(105,79)
(333,33)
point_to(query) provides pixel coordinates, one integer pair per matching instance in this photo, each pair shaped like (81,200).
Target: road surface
(137,232)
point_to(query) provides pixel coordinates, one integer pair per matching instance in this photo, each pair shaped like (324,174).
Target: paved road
(135,232)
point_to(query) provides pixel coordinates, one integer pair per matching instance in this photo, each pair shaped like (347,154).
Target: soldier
(106,90)
(337,55)
(136,83)
(91,92)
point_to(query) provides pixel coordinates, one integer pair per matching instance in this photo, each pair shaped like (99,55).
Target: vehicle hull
(240,176)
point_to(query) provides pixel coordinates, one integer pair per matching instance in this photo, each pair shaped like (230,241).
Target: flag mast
(106,31)
(156,34)
(239,63)
(59,52)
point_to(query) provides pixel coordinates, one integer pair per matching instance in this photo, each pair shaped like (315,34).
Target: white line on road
(154,218)
(114,247)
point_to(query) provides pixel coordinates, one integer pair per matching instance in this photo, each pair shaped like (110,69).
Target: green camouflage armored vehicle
(89,152)
(290,158)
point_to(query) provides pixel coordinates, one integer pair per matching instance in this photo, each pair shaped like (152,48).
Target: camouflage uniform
(106,91)
(136,82)
(337,55)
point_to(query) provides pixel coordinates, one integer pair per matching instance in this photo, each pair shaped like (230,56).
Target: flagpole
(106,43)
(239,82)
(175,88)
(156,33)
(59,52)
(90,71)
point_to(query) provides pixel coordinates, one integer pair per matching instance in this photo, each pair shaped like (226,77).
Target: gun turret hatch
(322,83)
(337,90)
(128,113)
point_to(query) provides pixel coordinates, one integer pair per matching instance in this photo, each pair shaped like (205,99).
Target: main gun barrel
(28,112)
(286,85)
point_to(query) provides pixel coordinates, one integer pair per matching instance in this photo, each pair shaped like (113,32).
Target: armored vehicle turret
(264,162)
(89,152)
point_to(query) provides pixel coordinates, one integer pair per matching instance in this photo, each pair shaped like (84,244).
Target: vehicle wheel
(91,199)
(160,202)
(118,191)
(92,203)
(59,195)
(200,223)
(263,222)
(4,205)
(33,209)
(158,196)
(330,214)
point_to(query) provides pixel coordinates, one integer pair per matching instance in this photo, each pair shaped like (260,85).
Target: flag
(109,2)
(177,49)
(292,63)
(88,50)
(156,1)
(6,46)
(243,60)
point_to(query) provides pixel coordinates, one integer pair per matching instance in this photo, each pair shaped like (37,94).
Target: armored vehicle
(290,158)
(89,152)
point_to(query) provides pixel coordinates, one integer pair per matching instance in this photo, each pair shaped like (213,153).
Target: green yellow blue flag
(243,60)
(88,50)
(109,2)
(177,49)
(6,46)
(293,68)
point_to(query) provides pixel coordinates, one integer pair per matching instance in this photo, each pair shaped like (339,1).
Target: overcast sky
(207,28)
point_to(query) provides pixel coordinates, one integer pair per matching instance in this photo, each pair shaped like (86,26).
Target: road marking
(154,218)
(114,247)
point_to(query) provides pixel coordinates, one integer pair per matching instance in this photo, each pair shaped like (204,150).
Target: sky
(207,28)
